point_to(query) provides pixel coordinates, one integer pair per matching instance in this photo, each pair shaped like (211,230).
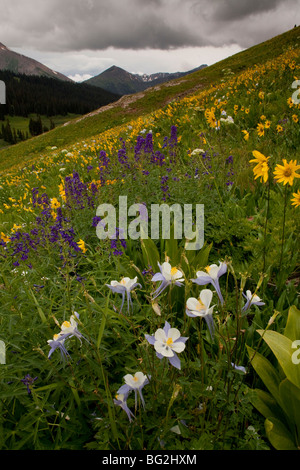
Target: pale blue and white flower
(121,400)
(58,343)
(124,287)
(239,368)
(134,383)
(168,343)
(211,275)
(201,308)
(251,299)
(168,275)
(70,328)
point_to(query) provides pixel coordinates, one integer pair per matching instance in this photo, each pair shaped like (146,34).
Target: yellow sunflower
(296,199)
(261,170)
(246,135)
(287,172)
(260,129)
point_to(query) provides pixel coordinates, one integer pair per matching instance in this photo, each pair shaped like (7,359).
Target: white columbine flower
(251,299)
(69,328)
(168,275)
(201,308)
(211,276)
(167,342)
(58,342)
(121,400)
(134,382)
(125,286)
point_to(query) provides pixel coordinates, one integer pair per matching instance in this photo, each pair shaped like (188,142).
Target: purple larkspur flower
(28,381)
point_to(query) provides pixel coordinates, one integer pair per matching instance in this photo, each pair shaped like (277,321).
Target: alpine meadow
(134,342)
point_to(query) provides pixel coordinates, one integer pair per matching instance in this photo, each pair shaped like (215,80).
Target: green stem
(283,227)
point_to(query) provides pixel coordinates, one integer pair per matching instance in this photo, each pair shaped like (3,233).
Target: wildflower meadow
(140,343)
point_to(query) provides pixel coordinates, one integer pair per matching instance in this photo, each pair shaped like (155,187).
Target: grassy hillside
(134,343)
(149,101)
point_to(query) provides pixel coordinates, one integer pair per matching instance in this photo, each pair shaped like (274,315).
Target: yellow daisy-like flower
(279,128)
(296,199)
(247,110)
(267,124)
(260,129)
(246,135)
(55,204)
(4,238)
(287,172)
(295,118)
(261,170)
(290,102)
(81,245)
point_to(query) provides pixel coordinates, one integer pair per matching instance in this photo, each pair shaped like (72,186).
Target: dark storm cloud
(70,25)
(240,9)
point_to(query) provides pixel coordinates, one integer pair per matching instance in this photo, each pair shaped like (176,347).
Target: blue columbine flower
(251,299)
(168,275)
(211,276)
(201,308)
(134,383)
(167,343)
(125,286)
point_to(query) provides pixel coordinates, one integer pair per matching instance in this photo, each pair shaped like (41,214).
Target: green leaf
(150,253)
(266,372)
(171,246)
(103,322)
(282,348)
(265,404)
(292,328)
(39,309)
(278,435)
(290,397)
(200,260)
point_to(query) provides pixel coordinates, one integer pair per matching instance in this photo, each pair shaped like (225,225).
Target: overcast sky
(82,38)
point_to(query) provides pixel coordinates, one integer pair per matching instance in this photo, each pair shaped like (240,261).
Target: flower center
(135,379)
(173,271)
(123,282)
(169,341)
(200,305)
(207,269)
(287,172)
(66,324)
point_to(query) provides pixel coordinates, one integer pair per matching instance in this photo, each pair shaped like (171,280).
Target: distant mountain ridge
(119,81)
(20,64)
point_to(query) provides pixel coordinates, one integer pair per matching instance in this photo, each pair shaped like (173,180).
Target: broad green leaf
(282,349)
(150,253)
(265,404)
(278,435)
(266,372)
(172,250)
(292,328)
(290,397)
(200,260)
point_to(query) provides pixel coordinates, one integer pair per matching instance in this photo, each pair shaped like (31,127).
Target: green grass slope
(146,102)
